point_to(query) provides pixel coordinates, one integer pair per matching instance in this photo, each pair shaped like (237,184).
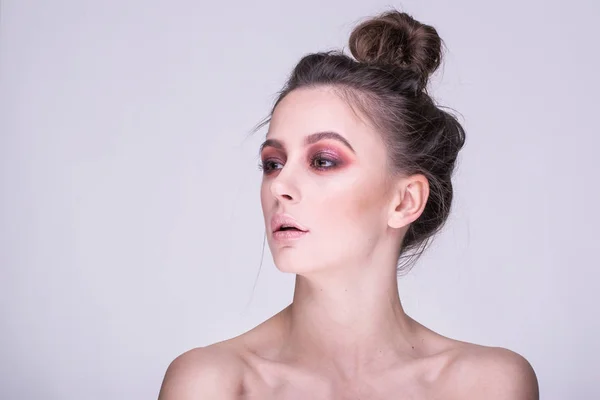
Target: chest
(319,388)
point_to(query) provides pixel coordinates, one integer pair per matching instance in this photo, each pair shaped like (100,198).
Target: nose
(283,187)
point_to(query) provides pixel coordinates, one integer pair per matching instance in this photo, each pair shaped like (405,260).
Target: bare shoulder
(211,372)
(491,373)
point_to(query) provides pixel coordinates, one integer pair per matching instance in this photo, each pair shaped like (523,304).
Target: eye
(317,162)
(266,166)
(321,163)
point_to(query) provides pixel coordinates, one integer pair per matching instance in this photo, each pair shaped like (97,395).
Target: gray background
(131,228)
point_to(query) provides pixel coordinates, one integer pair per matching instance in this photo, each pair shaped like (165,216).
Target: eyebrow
(310,139)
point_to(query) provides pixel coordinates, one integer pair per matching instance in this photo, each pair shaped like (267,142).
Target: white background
(131,228)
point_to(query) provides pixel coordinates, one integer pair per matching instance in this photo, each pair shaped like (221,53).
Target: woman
(356,175)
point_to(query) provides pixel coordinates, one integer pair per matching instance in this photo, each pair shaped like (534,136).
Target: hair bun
(394,38)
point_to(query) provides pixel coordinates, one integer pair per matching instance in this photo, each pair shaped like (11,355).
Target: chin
(289,260)
(289,263)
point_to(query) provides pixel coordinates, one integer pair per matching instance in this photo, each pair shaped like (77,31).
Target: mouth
(285,225)
(289,228)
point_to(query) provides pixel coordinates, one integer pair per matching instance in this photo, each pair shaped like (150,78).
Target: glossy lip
(280,219)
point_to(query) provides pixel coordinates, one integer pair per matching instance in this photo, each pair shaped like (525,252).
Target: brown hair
(394,56)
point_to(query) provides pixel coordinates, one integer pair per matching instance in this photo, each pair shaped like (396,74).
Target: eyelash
(264,165)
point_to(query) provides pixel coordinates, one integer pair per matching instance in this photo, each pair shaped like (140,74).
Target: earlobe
(396,219)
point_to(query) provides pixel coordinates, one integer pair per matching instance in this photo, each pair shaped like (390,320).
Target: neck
(348,320)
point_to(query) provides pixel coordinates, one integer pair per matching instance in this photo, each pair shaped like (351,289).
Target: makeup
(287,236)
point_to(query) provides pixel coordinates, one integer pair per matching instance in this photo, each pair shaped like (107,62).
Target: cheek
(263,192)
(358,206)
(266,199)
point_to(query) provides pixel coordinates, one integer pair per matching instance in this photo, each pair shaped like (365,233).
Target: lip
(282,218)
(286,236)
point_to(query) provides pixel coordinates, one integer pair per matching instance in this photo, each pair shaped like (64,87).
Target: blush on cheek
(369,198)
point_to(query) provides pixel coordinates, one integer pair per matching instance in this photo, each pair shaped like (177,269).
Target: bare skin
(345,335)
(252,366)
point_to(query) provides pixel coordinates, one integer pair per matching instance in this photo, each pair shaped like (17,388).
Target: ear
(409,199)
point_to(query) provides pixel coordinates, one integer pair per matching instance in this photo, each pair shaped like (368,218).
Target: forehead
(308,110)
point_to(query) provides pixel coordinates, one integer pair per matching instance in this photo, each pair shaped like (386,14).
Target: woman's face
(335,188)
